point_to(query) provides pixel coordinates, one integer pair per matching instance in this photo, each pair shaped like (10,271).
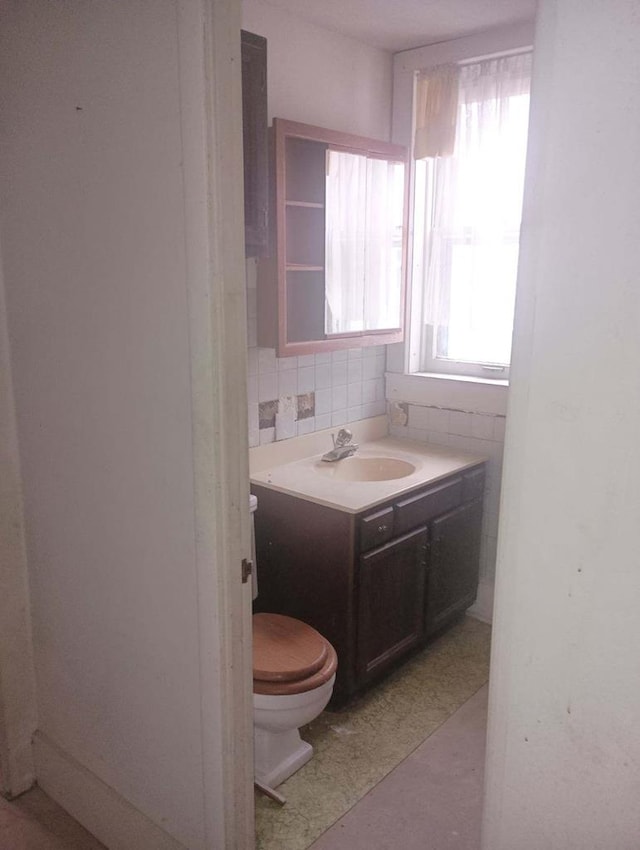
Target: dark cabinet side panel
(254,138)
(452,582)
(304,557)
(391,583)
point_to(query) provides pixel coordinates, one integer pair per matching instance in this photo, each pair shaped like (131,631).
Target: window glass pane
(467,219)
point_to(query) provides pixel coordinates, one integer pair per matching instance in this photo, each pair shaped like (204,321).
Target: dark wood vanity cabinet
(391,586)
(378,584)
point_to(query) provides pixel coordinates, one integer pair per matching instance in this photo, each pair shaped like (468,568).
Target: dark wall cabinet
(255,144)
(377,584)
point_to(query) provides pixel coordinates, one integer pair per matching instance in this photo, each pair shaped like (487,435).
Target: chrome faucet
(342,446)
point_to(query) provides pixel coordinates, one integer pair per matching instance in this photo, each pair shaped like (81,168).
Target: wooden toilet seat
(289,656)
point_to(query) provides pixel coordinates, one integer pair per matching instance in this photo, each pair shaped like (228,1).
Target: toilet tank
(253,504)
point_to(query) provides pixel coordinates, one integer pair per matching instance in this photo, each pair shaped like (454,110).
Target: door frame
(211,118)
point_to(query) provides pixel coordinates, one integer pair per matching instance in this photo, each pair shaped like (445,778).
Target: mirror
(363,242)
(335,278)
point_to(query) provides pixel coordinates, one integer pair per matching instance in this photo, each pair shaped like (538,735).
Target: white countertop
(301,477)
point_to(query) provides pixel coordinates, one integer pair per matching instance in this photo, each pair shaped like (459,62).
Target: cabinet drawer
(473,487)
(422,507)
(376,529)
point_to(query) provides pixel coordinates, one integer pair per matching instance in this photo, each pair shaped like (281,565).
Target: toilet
(294,670)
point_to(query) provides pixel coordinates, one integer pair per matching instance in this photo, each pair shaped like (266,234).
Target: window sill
(472,379)
(454,392)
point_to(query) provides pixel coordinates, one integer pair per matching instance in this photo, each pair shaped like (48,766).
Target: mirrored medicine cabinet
(335,275)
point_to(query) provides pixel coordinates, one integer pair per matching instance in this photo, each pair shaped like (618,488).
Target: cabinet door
(390,602)
(452,579)
(255,143)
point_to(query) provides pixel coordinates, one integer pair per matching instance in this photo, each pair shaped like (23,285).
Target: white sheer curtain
(469,207)
(383,262)
(363,242)
(345,231)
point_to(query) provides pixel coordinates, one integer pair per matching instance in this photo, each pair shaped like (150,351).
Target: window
(472,124)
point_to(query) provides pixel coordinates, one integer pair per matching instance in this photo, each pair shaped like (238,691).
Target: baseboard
(482,608)
(94,804)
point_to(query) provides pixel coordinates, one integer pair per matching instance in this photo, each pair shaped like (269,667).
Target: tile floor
(357,747)
(350,795)
(432,801)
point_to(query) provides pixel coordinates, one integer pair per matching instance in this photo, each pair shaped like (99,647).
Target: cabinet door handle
(382,529)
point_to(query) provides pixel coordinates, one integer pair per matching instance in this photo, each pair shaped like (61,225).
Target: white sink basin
(366,469)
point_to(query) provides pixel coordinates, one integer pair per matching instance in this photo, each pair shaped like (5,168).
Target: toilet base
(278,755)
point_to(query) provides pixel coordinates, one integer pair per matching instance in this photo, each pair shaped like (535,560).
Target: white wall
(318,77)
(321,77)
(93,233)
(563,768)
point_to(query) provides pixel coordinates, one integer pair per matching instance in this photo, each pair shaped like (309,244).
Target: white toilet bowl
(293,676)
(278,748)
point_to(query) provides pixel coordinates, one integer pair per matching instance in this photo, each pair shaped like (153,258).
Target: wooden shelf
(296,267)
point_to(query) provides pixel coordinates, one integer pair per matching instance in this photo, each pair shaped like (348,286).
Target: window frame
(404,358)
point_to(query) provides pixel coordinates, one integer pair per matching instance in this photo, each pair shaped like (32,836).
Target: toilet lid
(285,649)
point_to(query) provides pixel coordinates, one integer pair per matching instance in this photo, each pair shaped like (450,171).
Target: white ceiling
(401,24)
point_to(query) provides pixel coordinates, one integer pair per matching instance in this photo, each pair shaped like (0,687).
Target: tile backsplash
(291,396)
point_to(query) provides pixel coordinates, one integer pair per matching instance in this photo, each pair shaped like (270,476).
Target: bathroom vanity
(377,567)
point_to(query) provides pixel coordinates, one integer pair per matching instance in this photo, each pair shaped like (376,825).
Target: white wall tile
(499,423)
(379,407)
(399,431)
(285,364)
(323,358)
(253,423)
(354,394)
(395,358)
(460,423)
(267,435)
(339,397)
(369,391)
(370,409)
(268,387)
(482,426)
(438,438)
(306,426)
(286,427)
(252,389)
(339,417)
(381,362)
(369,369)
(287,383)
(266,361)
(323,375)
(354,353)
(306,360)
(418,434)
(354,371)
(418,416)
(438,420)
(339,372)
(306,379)
(323,401)
(354,413)
(323,421)
(339,356)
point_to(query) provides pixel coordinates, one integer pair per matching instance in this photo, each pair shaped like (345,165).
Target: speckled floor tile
(359,745)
